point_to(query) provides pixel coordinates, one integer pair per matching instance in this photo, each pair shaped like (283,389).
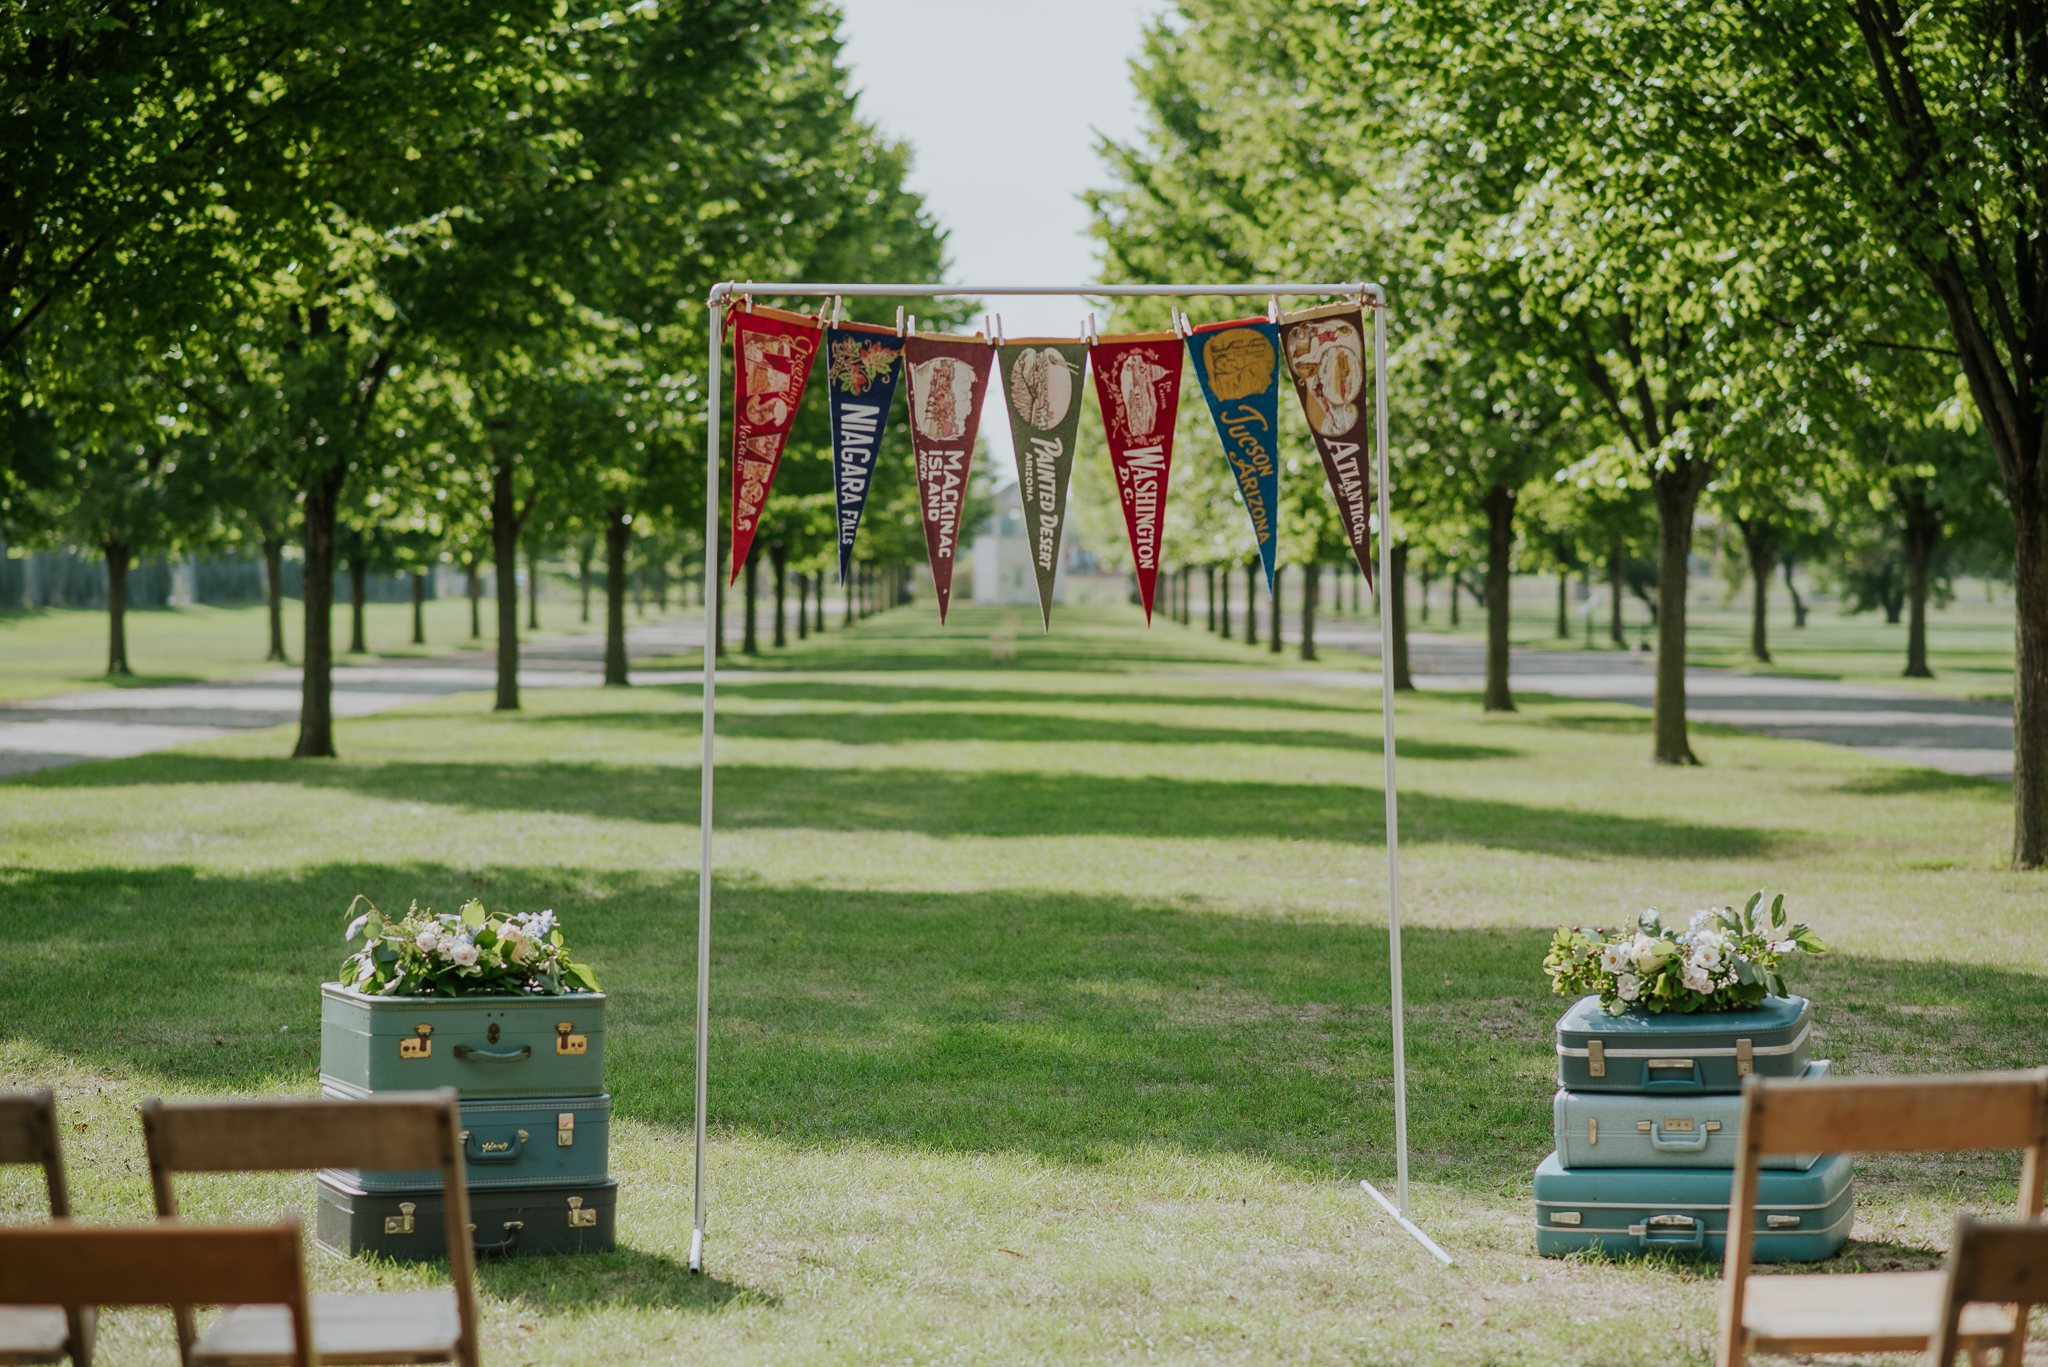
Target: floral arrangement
(1724,960)
(465,953)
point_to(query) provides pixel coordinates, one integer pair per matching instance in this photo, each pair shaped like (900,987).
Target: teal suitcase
(481,1046)
(524,1222)
(515,1142)
(1632,1130)
(1707,1052)
(1803,1217)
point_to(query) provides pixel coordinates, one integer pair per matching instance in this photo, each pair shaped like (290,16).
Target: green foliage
(468,953)
(1725,960)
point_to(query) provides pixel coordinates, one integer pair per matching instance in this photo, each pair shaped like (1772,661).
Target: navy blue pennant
(862,366)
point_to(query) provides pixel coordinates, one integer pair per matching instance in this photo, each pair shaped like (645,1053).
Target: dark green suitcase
(481,1046)
(1709,1051)
(516,1142)
(520,1222)
(1803,1217)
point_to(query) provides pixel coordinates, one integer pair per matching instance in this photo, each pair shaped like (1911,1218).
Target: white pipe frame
(1372,296)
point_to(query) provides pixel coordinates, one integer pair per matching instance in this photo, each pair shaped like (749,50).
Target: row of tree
(405,285)
(1786,263)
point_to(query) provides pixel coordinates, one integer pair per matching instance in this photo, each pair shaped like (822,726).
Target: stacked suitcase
(536,1121)
(1647,1120)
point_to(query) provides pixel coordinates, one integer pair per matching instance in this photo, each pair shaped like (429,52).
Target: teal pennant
(1238,366)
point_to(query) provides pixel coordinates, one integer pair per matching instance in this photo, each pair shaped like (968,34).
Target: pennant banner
(1042,381)
(772,355)
(948,376)
(1325,353)
(862,366)
(1238,366)
(1137,382)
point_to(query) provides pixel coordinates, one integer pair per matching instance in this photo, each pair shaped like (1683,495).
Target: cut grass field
(1027,981)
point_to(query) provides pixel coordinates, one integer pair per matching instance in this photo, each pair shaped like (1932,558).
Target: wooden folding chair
(162,1264)
(40,1333)
(406,1130)
(1872,1312)
(1995,1264)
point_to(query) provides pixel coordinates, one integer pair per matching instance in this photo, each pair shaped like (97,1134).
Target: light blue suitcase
(1803,1217)
(1681,1055)
(1633,1130)
(514,1142)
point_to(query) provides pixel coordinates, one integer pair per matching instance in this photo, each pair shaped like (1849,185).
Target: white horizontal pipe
(729,288)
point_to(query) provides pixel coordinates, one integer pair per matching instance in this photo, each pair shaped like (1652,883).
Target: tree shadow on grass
(947,802)
(910,725)
(1073,1027)
(1908,782)
(913,693)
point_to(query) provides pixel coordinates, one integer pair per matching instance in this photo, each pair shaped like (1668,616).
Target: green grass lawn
(1028,979)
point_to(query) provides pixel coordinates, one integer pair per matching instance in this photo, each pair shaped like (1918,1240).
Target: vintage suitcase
(1711,1051)
(1631,1130)
(482,1046)
(520,1222)
(516,1142)
(1803,1217)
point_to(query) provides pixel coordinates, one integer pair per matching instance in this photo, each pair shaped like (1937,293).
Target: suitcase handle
(1692,1084)
(1663,1145)
(1657,1233)
(505,1246)
(477,1149)
(469,1051)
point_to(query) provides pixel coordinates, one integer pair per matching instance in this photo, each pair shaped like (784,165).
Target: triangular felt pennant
(772,354)
(1324,349)
(948,376)
(1042,381)
(1137,382)
(1238,366)
(862,365)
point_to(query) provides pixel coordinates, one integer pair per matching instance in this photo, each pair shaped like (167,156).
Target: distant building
(1002,557)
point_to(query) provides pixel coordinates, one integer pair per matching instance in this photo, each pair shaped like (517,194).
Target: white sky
(1003,102)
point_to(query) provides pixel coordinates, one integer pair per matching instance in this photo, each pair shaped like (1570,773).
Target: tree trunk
(1457,583)
(316,689)
(803,607)
(532,587)
(419,612)
(1564,626)
(1617,581)
(1500,543)
(1223,610)
(1426,579)
(778,556)
(1394,614)
(724,555)
(1311,597)
(358,593)
(584,551)
(1762,560)
(476,595)
(1273,636)
(118,556)
(505,553)
(750,643)
(1209,594)
(1677,492)
(639,593)
(1251,604)
(1923,538)
(1798,603)
(2030,675)
(618,535)
(273,592)
(818,612)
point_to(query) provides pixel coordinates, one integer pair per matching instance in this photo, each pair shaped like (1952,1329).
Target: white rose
(1643,950)
(445,946)
(1630,987)
(515,946)
(1613,958)
(1699,982)
(464,953)
(426,940)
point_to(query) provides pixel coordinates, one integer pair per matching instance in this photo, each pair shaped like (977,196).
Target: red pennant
(772,353)
(948,376)
(1326,353)
(1137,382)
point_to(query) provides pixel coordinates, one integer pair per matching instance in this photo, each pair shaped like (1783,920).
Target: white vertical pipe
(712,629)
(1379,398)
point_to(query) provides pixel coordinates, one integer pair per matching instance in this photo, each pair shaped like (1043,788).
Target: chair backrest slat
(1900,1114)
(400,1130)
(156,1264)
(2001,1263)
(28,1132)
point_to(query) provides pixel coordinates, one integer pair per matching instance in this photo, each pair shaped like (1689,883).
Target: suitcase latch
(1781,1221)
(420,1045)
(400,1223)
(565,1129)
(1678,1124)
(566,1043)
(1565,1217)
(1745,1057)
(1596,1058)
(579,1218)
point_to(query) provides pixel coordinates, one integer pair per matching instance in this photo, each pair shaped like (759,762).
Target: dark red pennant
(1137,382)
(772,353)
(948,376)
(1324,350)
